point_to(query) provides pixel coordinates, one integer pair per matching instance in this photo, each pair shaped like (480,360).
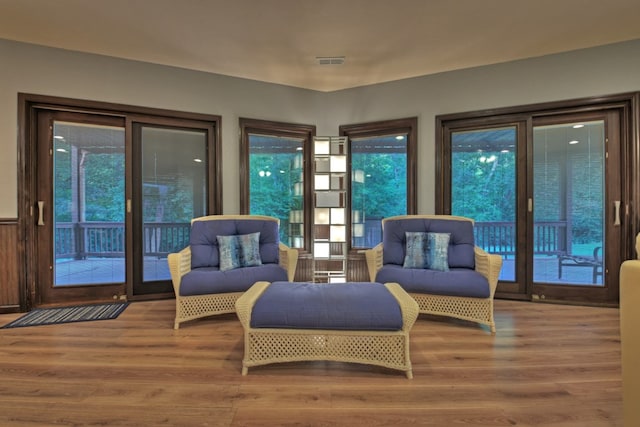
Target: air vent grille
(330,60)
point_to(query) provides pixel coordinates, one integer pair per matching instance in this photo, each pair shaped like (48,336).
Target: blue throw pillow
(415,250)
(242,250)
(438,251)
(427,250)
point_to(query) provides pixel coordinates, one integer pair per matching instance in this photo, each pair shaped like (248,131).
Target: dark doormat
(79,313)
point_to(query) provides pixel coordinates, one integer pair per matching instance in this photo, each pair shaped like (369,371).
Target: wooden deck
(111,270)
(106,270)
(548,365)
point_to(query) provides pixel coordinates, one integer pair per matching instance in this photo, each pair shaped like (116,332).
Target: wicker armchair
(450,299)
(218,290)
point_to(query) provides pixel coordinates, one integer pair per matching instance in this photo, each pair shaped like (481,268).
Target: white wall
(32,69)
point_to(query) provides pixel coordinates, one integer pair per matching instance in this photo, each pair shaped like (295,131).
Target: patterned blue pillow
(427,250)
(415,250)
(242,250)
(438,251)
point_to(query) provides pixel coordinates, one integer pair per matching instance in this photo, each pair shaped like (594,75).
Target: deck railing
(106,239)
(497,237)
(550,238)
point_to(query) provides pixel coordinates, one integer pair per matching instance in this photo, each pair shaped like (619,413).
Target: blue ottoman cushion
(343,306)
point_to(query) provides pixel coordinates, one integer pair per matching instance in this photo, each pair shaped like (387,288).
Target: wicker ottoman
(387,348)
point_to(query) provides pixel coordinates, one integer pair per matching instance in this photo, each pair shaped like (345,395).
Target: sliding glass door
(110,195)
(170,188)
(577,209)
(80,232)
(569,214)
(484,187)
(546,194)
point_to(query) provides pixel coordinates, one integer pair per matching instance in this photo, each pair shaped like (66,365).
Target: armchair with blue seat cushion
(452,277)
(226,255)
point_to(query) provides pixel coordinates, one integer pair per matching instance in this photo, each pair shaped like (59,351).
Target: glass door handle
(40,212)
(617,205)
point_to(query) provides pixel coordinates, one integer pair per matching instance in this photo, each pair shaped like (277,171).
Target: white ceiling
(278,41)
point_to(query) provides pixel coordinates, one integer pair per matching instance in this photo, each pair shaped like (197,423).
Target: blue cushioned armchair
(460,283)
(211,273)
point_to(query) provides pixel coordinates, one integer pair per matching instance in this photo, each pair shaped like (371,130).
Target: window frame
(283,130)
(624,181)
(408,126)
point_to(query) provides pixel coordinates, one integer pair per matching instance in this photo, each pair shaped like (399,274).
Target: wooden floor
(548,365)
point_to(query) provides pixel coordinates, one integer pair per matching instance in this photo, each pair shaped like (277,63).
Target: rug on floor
(79,313)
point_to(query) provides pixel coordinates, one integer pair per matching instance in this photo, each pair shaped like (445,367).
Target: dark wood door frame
(627,105)
(28,107)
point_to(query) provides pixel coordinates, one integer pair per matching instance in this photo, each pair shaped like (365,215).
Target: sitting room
(244,213)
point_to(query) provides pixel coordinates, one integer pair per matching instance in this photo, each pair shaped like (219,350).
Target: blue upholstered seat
(251,252)
(342,306)
(464,289)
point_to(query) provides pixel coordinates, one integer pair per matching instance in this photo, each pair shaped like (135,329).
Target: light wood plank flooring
(548,365)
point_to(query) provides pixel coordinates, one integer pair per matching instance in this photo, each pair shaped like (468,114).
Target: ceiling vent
(330,60)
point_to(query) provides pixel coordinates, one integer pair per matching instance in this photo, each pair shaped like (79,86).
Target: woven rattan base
(479,310)
(389,349)
(197,306)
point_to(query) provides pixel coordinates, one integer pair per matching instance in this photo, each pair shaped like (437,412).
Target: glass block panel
(338,233)
(322,164)
(321,146)
(337,182)
(338,146)
(337,216)
(322,182)
(322,216)
(321,249)
(338,163)
(329,199)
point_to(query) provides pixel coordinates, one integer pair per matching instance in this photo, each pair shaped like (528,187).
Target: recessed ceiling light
(578,126)
(574,142)
(400,137)
(197,160)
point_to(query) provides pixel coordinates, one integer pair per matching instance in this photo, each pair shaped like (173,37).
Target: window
(274,179)
(383,175)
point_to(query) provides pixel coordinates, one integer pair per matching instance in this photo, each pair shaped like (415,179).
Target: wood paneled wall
(9,267)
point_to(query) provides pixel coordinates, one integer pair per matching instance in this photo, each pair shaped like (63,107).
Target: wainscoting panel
(9,260)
